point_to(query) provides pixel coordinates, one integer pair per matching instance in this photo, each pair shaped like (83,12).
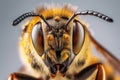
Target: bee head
(58,39)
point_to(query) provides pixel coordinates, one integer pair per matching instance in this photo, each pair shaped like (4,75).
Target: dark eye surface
(78,37)
(37,38)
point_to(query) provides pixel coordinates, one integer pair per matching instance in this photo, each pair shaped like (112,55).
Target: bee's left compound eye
(37,38)
(78,37)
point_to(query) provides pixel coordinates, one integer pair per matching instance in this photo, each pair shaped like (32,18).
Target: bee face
(57,44)
(57,41)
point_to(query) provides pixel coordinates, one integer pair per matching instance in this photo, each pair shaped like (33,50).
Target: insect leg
(92,72)
(20,76)
(101,75)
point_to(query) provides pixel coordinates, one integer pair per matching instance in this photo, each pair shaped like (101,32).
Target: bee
(55,44)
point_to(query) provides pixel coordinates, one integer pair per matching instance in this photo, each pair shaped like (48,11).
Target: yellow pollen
(66,36)
(57,18)
(50,37)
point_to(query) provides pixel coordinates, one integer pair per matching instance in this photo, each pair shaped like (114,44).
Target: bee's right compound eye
(37,38)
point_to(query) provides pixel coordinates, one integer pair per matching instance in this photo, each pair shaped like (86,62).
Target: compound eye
(37,38)
(78,37)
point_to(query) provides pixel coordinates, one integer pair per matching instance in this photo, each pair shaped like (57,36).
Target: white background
(108,34)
